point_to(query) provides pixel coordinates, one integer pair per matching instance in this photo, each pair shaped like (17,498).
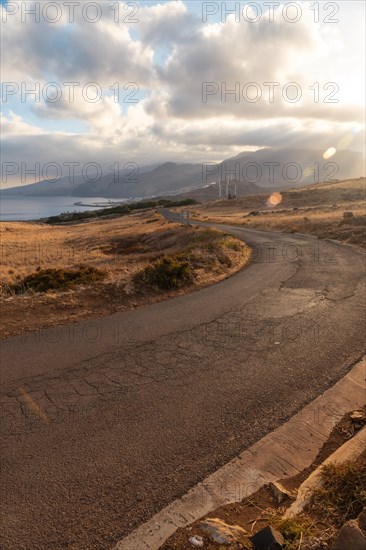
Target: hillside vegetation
(317,210)
(53,274)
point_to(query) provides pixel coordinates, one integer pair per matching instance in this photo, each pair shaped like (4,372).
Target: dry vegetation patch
(56,274)
(342,495)
(317,210)
(44,280)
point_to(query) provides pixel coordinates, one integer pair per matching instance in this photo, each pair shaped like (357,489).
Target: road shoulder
(282,453)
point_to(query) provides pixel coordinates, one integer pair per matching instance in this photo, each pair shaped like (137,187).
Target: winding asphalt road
(105,422)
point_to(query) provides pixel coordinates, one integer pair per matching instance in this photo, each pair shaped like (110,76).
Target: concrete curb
(282,453)
(350,450)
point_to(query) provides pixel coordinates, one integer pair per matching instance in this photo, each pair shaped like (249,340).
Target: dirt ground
(317,210)
(119,247)
(260,509)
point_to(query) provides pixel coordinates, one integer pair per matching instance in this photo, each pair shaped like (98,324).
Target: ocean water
(14,208)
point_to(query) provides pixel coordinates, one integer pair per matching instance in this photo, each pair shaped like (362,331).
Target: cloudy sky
(150,81)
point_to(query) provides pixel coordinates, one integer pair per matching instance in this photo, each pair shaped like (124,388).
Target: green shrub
(168,273)
(292,530)
(57,279)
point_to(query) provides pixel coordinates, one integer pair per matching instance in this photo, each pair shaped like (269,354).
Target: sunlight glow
(345,141)
(329,153)
(274,199)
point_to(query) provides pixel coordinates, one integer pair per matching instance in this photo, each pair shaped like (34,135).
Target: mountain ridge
(251,171)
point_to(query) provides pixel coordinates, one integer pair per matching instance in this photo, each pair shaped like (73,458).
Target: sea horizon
(20,208)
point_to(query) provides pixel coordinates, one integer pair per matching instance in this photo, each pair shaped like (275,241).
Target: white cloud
(166,24)
(14,125)
(81,51)
(223,57)
(169,54)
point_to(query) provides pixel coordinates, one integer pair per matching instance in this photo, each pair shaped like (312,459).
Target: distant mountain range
(295,167)
(250,172)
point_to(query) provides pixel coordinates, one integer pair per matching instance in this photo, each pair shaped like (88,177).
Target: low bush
(57,279)
(167,273)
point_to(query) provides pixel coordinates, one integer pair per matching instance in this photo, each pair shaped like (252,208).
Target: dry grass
(342,495)
(316,210)
(44,280)
(28,246)
(120,249)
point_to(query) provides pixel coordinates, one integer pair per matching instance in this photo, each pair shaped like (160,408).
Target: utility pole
(231,183)
(185,216)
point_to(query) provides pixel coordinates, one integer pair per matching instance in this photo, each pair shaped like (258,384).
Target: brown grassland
(317,210)
(58,274)
(55,274)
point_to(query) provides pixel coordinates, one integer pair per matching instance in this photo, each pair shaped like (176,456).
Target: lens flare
(274,199)
(329,153)
(309,170)
(345,141)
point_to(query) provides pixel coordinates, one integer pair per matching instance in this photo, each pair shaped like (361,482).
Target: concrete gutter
(285,452)
(350,450)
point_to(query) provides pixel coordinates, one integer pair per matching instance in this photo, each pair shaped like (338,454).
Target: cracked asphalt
(106,421)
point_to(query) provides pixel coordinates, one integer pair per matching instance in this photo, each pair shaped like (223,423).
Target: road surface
(106,421)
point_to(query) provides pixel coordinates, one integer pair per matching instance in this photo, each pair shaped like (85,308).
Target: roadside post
(185,216)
